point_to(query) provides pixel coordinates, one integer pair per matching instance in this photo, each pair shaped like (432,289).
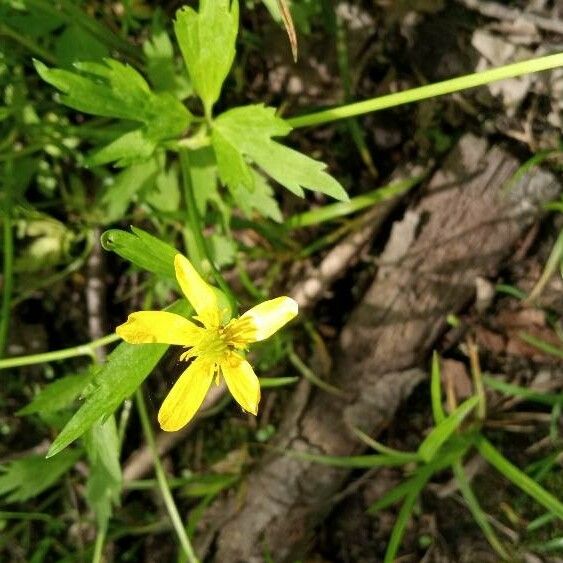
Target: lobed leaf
(27,477)
(247,132)
(114,89)
(207,42)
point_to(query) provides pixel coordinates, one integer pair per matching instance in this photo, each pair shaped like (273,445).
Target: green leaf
(518,477)
(108,89)
(203,485)
(165,192)
(207,41)
(417,484)
(260,200)
(74,45)
(126,150)
(203,173)
(58,395)
(477,512)
(117,197)
(27,477)
(436,390)
(247,132)
(442,431)
(534,395)
(127,366)
(452,453)
(161,69)
(223,250)
(542,345)
(352,461)
(142,249)
(113,89)
(382,448)
(104,480)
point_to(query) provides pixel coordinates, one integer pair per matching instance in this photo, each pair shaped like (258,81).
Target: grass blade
(476,510)
(440,433)
(518,477)
(542,345)
(350,462)
(416,485)
(550,399)
(553,264)
(436,390)
(383,449)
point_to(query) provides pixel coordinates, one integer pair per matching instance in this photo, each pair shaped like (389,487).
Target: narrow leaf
(127,367)
(351,462)
(436,390)
(142,249)
(440,433)
(58,395)
(519,478)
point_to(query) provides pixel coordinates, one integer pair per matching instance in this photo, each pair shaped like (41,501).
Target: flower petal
(147,327)
(198,292)
(242,383)
(186,396)
(266,318)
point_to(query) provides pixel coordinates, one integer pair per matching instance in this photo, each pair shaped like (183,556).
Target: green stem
(162,482)
(99,546)
(8,252)
(429,91)
(196,226)
(74,352)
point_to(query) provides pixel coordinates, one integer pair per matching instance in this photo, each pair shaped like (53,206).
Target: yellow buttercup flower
(215,346)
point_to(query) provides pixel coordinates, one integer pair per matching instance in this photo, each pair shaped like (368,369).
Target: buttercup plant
(215,346)
(137,130)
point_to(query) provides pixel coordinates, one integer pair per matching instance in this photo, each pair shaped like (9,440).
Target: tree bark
(464,226)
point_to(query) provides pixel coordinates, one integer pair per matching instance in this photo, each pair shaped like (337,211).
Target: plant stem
(99,546)
(75,351)
(162,482)
(8,256)
(196,226)
(429,91)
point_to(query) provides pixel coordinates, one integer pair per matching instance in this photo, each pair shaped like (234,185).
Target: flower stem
(162,482)
(196,226)
(429,91)
(75,351)
(99,545)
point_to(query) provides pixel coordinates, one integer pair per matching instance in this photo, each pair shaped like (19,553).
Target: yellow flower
(216,347)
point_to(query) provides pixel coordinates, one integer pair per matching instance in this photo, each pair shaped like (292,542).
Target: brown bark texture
(464,226)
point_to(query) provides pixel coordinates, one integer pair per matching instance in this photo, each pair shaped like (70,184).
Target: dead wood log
(466,227)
